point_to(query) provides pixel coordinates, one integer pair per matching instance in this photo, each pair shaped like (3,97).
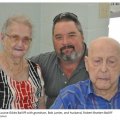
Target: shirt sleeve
(58,104)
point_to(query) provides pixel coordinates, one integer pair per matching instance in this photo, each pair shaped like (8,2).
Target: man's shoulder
(48,54)
(48,57)
(44,57)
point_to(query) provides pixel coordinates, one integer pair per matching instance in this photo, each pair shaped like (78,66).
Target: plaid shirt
(81,96)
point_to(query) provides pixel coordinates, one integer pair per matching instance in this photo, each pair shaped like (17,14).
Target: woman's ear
(86,62)
(1,36)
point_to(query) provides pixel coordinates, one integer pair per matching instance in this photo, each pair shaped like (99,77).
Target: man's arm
(36,59)
(58,104)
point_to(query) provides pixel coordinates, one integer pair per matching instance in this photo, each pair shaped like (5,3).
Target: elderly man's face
(103,65)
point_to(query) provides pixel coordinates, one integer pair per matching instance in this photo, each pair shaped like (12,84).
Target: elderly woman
(21,83)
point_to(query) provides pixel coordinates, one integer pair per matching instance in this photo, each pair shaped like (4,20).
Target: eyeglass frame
(67,16)
(12,38)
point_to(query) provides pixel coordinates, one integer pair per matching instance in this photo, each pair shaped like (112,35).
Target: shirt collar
(90,87)
(91,90)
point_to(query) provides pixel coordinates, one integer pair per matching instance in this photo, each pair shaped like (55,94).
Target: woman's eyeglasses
(17,38)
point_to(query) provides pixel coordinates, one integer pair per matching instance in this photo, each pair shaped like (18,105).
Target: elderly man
(102,90)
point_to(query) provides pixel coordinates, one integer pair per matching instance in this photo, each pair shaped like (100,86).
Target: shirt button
(65,82)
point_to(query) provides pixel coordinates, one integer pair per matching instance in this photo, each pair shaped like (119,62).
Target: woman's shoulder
(33,66)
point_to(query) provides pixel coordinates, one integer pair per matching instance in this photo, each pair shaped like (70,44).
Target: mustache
(67,46)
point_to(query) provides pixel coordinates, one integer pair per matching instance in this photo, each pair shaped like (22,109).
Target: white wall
(42,14)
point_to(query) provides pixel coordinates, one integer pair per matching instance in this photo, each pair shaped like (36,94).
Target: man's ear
(86,62)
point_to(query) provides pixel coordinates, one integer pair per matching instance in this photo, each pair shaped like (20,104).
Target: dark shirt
(54,77)
(82,96)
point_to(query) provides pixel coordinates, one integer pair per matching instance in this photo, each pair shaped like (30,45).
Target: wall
(115,9)
(42,14)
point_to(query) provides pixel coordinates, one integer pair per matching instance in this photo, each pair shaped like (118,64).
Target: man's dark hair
(67,16)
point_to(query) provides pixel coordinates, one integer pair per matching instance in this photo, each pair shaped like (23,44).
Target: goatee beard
(71,58)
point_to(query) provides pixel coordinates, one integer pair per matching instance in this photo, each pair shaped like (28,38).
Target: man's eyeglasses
(16,38)
(66,15)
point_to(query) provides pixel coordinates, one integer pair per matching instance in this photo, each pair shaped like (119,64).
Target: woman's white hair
(16,19)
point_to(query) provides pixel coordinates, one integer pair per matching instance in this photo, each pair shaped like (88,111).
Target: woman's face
(17,39)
